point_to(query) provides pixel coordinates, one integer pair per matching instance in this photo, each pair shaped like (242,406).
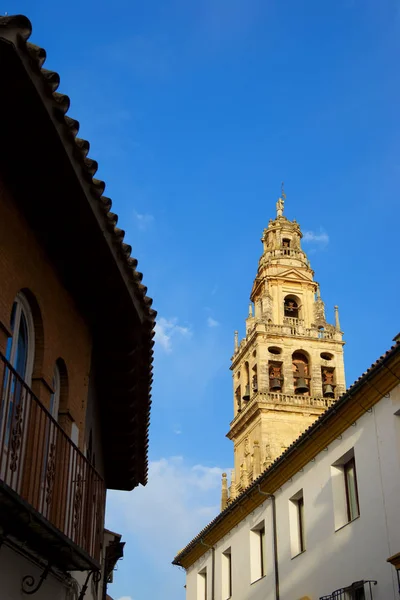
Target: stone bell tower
(289,367)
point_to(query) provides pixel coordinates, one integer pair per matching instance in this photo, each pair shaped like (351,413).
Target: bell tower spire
(289,366)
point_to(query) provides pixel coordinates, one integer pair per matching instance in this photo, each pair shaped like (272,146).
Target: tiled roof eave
(17,30)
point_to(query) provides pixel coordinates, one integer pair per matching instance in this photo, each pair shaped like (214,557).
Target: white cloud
(125,598)
(143,220)
(167,329)
(212,322)
(177,430)
(178,501)
(316,238)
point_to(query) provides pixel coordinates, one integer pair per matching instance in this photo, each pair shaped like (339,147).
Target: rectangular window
(257,552)
(202,585)
(345,490)
(226,574)
(297,525)
(262,551)
(300,511)
(350,478)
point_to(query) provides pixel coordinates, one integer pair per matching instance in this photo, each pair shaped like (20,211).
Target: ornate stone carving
(279,207)
(268,456)
(319,313)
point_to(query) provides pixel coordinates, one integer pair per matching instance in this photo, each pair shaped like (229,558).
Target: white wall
(332,559)
(13,567)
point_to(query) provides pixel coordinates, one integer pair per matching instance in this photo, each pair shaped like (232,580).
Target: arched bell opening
(292,307)
(301,373)
(275,376)
(328,382)
(238,397)
(286,246)
(254,379)
(246,394)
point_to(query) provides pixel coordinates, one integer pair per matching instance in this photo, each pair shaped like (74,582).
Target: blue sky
(196,111)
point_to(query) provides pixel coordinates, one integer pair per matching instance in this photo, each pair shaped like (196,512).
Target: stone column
(232,489)
(287,371)
(337,324)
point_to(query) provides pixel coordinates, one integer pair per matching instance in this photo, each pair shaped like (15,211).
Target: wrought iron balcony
(51,497)
(359,590)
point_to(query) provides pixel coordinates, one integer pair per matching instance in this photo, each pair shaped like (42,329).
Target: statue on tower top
(281,203)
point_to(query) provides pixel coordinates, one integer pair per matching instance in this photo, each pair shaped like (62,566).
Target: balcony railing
(362,590)
(43,467)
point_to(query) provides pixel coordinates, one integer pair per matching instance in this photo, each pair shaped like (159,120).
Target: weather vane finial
(281,202)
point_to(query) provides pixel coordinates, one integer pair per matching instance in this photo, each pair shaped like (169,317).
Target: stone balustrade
(294,327)
(289,399)
(297,399)
(286,253)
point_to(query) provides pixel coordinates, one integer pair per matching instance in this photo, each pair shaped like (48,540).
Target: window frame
(11,387)
(21,308)
(262,550)
(257,552)
(202,583)
(301,525)
(297,525)
(227,574)
(341,495)
(347,467)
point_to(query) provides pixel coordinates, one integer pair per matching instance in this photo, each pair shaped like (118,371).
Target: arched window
(246,395)
(21,345)
(20,354)
(286,245)
(291,306)
(301,373)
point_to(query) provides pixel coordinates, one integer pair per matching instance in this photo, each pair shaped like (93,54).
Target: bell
(301,386)
(246,395)
(329,392)
(275,384)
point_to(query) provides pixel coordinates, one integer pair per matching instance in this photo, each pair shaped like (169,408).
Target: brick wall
(60,331)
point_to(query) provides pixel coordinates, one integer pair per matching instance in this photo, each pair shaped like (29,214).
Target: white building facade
(336,518)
